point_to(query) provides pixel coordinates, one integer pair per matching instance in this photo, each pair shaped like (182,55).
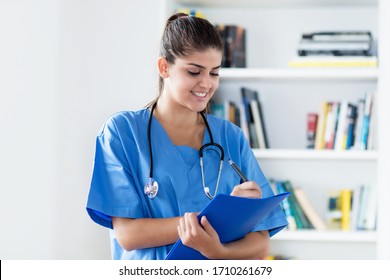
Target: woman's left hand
(201,237)
(247,189)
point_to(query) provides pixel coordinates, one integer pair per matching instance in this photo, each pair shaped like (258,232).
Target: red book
(311,129)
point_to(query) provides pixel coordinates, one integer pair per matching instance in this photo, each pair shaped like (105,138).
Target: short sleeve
(112,190)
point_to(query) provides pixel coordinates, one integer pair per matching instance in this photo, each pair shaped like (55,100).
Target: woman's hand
(201,237)
(247,189)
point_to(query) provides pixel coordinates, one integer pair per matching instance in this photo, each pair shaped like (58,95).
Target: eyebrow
(200,66)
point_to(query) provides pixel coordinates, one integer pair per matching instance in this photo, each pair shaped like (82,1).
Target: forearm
(145,233)
(254,245)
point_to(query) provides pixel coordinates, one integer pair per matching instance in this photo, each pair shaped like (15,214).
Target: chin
(200,109)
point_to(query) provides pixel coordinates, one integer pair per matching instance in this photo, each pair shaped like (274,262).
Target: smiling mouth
(199,94)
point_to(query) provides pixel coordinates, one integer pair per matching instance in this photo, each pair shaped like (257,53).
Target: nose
(206,81)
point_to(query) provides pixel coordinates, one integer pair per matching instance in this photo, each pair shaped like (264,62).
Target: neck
(177,116)
(183,126)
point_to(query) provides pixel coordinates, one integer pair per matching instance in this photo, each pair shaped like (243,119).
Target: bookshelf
(287,94)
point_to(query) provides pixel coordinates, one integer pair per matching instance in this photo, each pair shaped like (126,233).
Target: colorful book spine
(366,119)
(287,208)
(297,208)
(321,126)
(346,206)
(334,210)
(352,115)
(309,209)
(312,119)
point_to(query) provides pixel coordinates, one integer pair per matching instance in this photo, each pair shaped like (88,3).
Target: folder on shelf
(232,217)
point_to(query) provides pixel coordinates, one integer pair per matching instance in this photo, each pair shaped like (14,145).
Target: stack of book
(352,209)
(342,125)
(347,209)
(300,212)
(248,115)
(335,49)
(253,119)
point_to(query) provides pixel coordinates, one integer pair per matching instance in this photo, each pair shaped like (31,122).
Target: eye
(215,74)
(193,73)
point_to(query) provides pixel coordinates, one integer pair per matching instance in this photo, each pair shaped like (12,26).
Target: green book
(305,223)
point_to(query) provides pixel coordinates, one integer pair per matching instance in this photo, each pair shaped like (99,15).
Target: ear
(162,64)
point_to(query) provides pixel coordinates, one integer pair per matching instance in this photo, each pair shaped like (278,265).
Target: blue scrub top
(122,165)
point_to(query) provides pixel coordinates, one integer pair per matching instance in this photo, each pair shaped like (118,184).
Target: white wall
(65,66)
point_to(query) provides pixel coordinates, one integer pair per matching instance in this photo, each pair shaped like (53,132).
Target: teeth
(200,94)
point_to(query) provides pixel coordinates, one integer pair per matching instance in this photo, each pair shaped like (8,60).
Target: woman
(162,142)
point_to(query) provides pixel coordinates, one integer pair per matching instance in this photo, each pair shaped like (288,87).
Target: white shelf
(315,154)
(292,73)
(326,236)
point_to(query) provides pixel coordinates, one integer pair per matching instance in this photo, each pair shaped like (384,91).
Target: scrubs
(122,166)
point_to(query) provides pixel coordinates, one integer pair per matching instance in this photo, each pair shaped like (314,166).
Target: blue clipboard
(232,217)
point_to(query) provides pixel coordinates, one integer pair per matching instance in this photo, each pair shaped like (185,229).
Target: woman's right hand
(247,189)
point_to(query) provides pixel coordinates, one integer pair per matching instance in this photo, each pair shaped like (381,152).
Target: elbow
(124,233)
(263,253)
(127,243)
(265,244)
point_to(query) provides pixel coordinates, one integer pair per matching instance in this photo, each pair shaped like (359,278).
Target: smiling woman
(157,167)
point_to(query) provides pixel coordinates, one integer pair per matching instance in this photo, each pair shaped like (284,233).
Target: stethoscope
(151,187)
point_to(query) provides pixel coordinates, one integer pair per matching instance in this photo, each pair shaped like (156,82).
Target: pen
(239,172)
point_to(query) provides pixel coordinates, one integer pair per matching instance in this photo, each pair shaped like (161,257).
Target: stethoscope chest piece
(151,188)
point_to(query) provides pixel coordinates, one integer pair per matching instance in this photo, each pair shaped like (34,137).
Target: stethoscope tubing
(149,191)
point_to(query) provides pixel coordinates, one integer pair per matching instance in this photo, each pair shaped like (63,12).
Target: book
(227,110)
(371,211)
(341,35)
(322,61)
(310,45)
(217,109)
(366,119)
(309,210)
(234,38)
(279,188)
(331,124)
(232,217)
(232,113)
(357,145)
(351,115)
(342,127)
(367,213)
(346,206)
(243,121)
(321,126)
(371,140)
(334,210)
(330,52)
(356,205)
(255,118)
(335,48)
(312,119)
(258,121)
(298,212)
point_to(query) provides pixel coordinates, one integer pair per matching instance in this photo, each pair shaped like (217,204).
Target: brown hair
(184,35)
